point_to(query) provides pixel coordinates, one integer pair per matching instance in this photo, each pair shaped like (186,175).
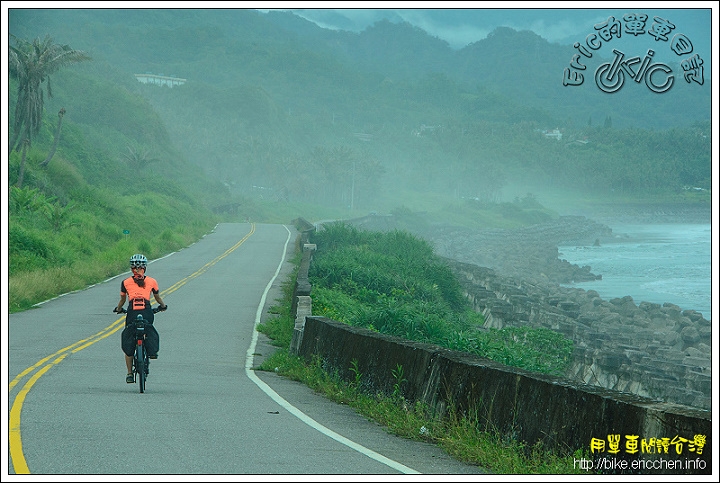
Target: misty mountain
(270,99)
(519,65)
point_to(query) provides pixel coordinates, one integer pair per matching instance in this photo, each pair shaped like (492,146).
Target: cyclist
(138,289)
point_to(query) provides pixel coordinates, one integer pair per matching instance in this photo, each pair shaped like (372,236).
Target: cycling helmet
(138,260)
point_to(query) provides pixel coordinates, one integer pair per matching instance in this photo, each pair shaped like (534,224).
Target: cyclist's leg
(152,341)
(127,344)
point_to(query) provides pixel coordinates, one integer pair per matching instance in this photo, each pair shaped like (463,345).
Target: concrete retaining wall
(562,415)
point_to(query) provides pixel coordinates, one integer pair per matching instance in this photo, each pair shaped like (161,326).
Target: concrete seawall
(528,407)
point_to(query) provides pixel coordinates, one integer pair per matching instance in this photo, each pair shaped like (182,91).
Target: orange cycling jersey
(139,296)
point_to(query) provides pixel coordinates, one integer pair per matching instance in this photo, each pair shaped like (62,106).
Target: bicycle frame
(140,359)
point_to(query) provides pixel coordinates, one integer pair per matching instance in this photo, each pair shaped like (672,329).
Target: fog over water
(651,262)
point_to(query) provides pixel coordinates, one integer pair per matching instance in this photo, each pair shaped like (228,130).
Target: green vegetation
(76,221)
(395,284)
(460,436)
(469,153)
(58,246)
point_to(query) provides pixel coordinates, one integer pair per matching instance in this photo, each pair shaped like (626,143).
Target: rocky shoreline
(646,213)
(513,277)
(528,252)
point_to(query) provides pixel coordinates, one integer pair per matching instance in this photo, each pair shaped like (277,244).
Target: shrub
(393,283)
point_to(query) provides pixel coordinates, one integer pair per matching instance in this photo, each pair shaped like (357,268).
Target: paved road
(205,411)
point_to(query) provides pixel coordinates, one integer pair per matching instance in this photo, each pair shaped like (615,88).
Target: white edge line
(249,361)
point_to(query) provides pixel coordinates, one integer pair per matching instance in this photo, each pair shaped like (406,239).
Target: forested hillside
(275,107)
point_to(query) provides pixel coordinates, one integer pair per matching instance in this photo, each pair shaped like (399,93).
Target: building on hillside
(555,133)
(161,80)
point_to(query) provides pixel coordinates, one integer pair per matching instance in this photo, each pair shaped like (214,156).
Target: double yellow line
(15,440)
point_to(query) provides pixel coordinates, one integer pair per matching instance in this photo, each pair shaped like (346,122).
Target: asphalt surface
(205,411)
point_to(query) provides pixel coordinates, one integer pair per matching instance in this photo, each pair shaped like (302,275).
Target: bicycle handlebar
(155,310)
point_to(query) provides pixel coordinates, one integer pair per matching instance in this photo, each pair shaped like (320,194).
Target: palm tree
(31,64)
(138,158)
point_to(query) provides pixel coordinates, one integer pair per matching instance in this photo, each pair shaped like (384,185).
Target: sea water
(651,262)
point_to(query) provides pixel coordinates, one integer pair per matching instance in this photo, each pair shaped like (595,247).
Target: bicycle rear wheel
(140,366)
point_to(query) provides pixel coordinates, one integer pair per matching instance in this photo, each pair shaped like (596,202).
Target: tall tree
(31,64)
(61,113)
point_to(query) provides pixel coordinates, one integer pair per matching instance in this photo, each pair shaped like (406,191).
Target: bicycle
(141,360)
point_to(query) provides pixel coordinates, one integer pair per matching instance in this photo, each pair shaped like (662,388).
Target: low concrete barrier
(301,301)
(624,433)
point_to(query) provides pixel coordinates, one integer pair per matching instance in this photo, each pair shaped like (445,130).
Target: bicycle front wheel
(140,366)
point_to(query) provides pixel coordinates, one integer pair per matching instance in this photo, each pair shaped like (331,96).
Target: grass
(80,268)
(393,283)
(459,436)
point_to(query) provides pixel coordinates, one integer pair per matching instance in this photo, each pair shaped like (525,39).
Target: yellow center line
(15,440)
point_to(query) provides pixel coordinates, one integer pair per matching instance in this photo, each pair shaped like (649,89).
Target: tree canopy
(30,64)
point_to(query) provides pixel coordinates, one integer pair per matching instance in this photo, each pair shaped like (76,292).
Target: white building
(555,133)
(160,80)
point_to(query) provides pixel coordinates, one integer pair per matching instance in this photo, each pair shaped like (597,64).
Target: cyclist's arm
(121,302)
(159,299)
(123,297)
